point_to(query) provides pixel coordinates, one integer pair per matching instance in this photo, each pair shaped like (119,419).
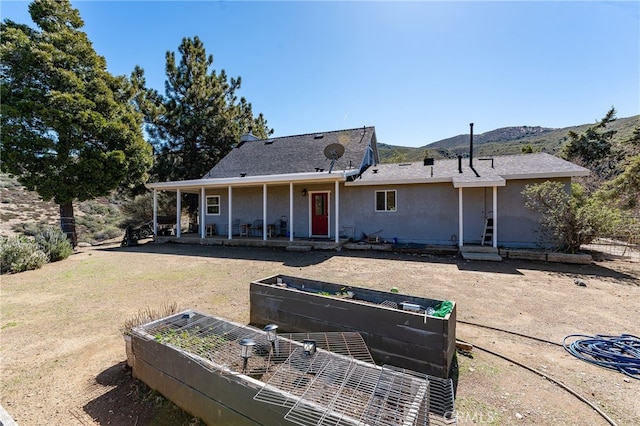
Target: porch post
(203,207)
(264,211)
(460,216)
(230,225)
(155,211)
(495,217)
(290,224)
(178,212)
(337,213)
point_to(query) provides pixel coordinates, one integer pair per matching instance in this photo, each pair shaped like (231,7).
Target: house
(331,186)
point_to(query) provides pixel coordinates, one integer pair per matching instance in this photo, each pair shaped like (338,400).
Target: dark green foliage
(527,149)
(139,210)
(569,220)
(54,243)
(199,118)
(593,144)
(19,254)
(69,130)
(624,190)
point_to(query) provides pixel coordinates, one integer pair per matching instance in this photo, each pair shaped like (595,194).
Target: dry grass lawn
(62,354)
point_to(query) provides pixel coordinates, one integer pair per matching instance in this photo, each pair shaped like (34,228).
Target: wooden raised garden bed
(406,338)
(193,359)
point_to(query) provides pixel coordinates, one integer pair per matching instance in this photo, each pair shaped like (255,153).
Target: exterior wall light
(304,192)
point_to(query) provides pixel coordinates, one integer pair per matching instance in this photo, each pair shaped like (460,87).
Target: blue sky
(418,71)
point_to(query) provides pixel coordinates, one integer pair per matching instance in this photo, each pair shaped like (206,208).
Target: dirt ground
(62,354)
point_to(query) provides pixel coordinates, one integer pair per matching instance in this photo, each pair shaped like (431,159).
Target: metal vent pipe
(471,146)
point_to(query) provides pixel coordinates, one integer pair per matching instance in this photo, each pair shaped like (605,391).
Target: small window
(386,201)
(213,205)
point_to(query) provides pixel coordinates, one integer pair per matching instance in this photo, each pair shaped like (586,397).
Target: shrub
(140,209)
(30,229)
(108,233)
(570,219)
(54,243)
(18,254)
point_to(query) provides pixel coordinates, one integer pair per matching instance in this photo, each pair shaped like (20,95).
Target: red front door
(320,214)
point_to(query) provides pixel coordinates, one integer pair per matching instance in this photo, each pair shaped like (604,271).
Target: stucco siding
(426,214)
(518,226)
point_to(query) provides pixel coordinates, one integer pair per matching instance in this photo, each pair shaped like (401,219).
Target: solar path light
(246,350)
(270,329)
(309,347)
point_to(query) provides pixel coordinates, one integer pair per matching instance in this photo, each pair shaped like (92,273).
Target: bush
(54,243)
(108,233)
(140,209)
(30,229)
(18,254)
(570,219)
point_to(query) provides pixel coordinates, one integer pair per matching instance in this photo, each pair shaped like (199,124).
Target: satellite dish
(333,151)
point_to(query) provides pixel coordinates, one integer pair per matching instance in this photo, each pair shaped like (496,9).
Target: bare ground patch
(62,353)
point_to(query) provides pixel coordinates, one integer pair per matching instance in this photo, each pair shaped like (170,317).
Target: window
(386,201)
(213,205)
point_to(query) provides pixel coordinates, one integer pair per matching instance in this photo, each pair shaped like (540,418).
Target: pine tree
(69,128)
(199,118)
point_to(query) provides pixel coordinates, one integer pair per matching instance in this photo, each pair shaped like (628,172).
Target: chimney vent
(471,146)
(459,163)
(248,137)
(428,161)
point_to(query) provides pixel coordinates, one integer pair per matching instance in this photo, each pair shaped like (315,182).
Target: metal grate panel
(337,385)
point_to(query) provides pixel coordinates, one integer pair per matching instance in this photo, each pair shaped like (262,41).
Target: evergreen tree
(199,118)
(69,129)
(593,144)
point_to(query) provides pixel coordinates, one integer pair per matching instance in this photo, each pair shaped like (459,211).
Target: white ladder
(487,235)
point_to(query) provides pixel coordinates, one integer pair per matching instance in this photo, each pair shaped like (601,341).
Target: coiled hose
(621,353)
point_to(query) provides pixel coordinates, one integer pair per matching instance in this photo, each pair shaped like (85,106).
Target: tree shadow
(130,402)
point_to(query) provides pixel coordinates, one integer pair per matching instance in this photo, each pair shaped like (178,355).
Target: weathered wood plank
(402,338)
(220,399)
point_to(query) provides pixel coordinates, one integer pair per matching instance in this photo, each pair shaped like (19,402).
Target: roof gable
(297,154)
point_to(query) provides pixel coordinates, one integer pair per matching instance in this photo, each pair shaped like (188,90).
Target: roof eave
(359,182)
(547,175)
(253,180)
(481,183)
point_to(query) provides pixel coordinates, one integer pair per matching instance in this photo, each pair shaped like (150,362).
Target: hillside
(25,212)
(507,140)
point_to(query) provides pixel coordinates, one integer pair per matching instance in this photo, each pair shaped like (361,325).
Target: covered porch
(277,210)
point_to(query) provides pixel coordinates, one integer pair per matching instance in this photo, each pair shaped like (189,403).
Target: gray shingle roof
(295,154)
(506,167)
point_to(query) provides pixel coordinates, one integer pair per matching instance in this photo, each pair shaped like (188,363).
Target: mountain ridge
(501,141)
